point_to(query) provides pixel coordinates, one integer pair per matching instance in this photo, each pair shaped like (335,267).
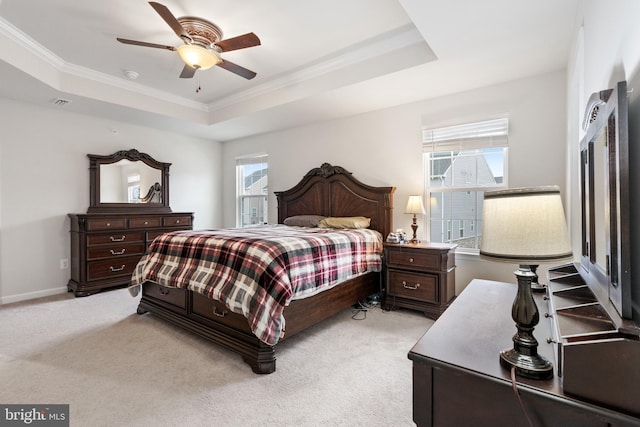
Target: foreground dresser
(105,248)
(458,379)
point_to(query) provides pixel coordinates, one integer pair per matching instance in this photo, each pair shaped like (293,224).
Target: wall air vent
(60,102)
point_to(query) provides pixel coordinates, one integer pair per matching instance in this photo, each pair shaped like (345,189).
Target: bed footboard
(212,321)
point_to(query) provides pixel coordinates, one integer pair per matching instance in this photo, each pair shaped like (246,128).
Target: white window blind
(468,136)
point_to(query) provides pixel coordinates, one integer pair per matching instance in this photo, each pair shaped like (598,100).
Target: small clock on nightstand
(419,276)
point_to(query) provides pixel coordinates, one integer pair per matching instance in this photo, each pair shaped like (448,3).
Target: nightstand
(419,276)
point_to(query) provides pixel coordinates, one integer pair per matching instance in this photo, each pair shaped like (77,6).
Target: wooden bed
(327,191)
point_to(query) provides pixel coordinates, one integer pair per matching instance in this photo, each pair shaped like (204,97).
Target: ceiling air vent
(60,102)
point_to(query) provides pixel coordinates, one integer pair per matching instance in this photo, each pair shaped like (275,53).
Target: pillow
(345,222)
(303,220)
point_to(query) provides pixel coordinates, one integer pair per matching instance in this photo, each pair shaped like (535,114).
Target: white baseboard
(32,295)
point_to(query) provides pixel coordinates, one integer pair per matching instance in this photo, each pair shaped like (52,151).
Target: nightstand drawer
(422,287)
(421,260)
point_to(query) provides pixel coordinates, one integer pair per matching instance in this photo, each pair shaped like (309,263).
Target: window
(460,164)
(133,187)
(252,190)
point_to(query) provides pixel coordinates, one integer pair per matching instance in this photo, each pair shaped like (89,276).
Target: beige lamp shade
(524,226)
(415,206)
(198,57)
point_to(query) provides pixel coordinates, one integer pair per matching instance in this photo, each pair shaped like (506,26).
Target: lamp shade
(198,57)
(524,226)
(415,206)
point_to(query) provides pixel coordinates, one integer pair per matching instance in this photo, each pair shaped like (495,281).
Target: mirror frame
(607,112)
(96,160)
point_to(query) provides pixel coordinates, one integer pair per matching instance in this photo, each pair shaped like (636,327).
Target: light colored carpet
(117,368)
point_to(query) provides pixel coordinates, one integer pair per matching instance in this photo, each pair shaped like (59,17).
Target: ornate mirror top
(128,180)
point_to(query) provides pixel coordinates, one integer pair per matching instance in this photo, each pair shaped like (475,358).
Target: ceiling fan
(202,44)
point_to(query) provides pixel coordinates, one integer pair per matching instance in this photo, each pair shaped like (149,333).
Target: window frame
(490,134)
(241,197)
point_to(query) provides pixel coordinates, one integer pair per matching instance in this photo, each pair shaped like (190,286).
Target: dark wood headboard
(333,191)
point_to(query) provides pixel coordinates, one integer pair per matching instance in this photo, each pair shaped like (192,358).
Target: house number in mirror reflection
(130,182)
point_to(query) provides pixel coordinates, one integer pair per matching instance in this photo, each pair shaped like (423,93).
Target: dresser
(105,248)
(419,276)
(458,379)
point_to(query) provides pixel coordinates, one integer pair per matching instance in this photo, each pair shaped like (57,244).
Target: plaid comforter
(256,272)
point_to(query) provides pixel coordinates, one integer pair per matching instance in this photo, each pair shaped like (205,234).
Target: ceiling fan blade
(145,44)
(173,22)
(240,42)
(236,69)
(187,72)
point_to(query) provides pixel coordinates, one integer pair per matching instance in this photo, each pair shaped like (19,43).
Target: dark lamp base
(535,367)
(524,354)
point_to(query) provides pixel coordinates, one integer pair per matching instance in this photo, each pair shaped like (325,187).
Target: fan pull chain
(198,89)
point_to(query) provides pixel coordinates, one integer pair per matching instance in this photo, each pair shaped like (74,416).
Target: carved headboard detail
(333,191)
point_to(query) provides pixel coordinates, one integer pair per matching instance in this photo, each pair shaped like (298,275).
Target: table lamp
(415,206)
(525,226)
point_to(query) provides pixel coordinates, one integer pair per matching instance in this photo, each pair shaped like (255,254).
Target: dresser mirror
(604,155)
(128,181)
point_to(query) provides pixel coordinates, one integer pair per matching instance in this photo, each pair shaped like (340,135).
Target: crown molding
(32,47)
(372,48)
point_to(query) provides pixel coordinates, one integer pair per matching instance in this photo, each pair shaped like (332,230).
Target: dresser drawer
(95,224)
(115,238)
(420,260)
(176,221)
(422,287)
(173,296)
(116,267)
(115,250)
(145,222)
(218,312)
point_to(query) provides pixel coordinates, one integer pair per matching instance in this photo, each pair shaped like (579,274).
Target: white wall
(44,174)
(384,148)
(606,50)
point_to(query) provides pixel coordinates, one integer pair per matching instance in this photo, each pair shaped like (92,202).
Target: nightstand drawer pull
(121,239)
(410,259)
(114,270)
(163,291)
(119,252)
(407,286)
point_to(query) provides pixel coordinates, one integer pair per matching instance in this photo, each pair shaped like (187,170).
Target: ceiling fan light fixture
(198,57)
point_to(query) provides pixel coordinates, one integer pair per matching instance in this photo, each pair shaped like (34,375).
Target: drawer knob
(163,291)
(108,224)
(219,313)
(408,286)
(118,252)
(117,239)
(177,221)
(410,259)
(146,223)
(116,269)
